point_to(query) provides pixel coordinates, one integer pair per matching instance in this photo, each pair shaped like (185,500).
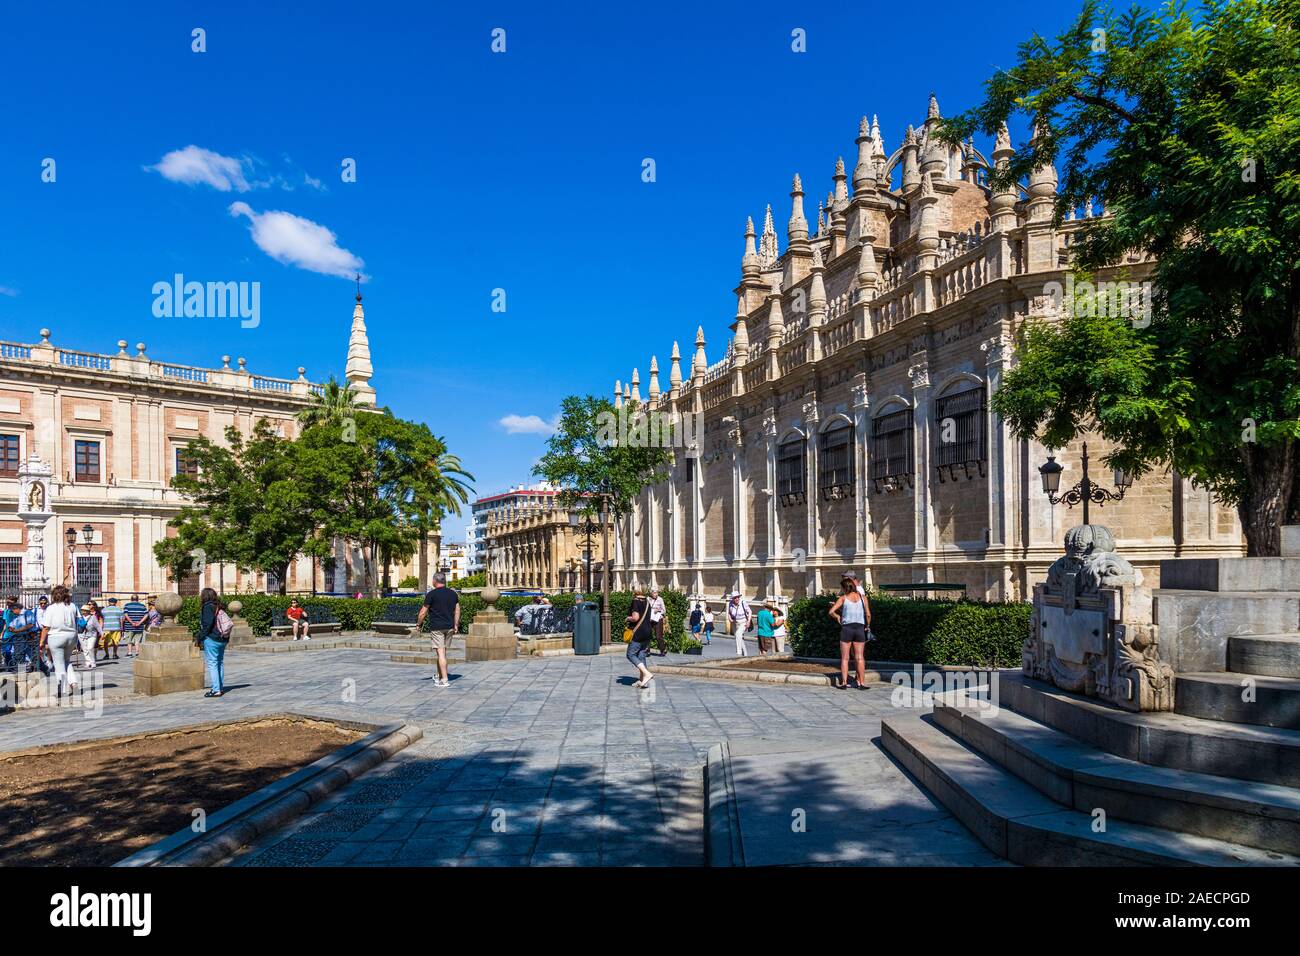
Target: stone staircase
(1048,777)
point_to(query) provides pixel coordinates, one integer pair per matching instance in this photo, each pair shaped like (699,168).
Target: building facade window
(185,465)
(86,458)
(11,574)
(893,460)
(10,455)
(835,461)
(959,432)
(790,471)
(89,574)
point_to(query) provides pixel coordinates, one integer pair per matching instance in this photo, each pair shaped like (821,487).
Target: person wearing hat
(779,633)
(767,626)
(740,615)
(91,631)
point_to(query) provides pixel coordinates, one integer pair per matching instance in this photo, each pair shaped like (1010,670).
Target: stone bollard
(491,636)
(243,631)
(168,661)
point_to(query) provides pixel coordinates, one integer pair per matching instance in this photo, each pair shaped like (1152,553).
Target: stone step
(1240,698)
(1080,776)
(1231,574)
(1019,823)
(1175,740)
(1273,655)
(1195,626)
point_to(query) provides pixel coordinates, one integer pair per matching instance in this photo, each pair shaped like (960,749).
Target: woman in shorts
(643,633)
(853,615)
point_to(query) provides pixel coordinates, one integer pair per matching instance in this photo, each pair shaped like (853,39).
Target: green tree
(1188,130)
(247,505)
(333,405)
(589,456)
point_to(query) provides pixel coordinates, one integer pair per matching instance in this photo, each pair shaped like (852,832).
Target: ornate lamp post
(70,536)
(604,577)
(1085,491)
(587,528)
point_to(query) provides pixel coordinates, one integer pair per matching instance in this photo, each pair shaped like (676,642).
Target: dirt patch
(94,803)
(790,667)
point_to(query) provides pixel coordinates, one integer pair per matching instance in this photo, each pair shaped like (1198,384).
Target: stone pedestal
(169,661)
(491,637)
(243,631)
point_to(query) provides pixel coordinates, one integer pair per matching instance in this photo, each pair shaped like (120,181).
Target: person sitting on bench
(297,616)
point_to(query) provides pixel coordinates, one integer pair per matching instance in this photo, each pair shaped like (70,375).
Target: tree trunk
(422,569)
(1270,497)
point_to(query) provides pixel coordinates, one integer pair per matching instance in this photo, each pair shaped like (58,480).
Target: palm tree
(446,489)
(331,406)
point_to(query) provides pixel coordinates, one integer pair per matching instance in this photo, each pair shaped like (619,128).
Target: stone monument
(169,660)
(242,632)
(1091,631)
(35,512)
(491,636)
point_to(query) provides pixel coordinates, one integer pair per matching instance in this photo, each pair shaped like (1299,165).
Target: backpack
(224,625)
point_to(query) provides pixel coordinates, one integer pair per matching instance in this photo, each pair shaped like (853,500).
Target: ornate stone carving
(920,376)
(1091,629)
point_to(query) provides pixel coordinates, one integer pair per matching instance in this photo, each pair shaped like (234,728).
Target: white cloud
(9,291)
(195,165)
(296,241)
(529,425)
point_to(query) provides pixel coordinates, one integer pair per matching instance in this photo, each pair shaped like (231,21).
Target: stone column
(491,636)
(925,533)
(242,632)
(811,418)
(34,510)
(773,531)
(1000,467)
(864,539)
(169,660)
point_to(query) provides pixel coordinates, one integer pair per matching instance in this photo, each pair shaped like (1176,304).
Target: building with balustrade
(114,427)
(529,541)
(847,424)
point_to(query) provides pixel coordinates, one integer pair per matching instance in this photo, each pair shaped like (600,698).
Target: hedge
(359,614)
(963,633)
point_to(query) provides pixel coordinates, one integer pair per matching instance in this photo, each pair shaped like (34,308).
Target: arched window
(790,471)
(892,458)
(959,431)
(835,461)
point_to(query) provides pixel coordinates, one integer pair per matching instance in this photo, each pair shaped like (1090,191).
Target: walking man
(442,608)
(740,615)
(112,628)
(134,617)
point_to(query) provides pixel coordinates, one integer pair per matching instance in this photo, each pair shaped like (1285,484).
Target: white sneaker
(443,683)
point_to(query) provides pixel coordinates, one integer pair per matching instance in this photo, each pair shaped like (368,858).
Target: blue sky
(475,171)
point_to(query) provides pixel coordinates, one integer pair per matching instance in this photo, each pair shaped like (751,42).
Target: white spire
(359,370)
(767,251)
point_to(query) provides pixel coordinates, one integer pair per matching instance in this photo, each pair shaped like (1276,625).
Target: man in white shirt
(657,614)
(740,615)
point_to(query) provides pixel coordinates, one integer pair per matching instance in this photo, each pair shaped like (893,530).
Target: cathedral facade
(848,424)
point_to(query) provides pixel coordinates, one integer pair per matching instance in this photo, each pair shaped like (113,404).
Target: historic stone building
(847,425)
(111,428)
(531,542)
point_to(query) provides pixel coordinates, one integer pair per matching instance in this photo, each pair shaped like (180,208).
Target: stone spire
(654,380)
(840,195)
(877,144)
(749,265)
(675,369)
(618,394)
(868,272)
(1042,184)
(817,289)
(767,251)
(1002,202)
(927,233)
(359,370)
(822,209)
(634,392)
(911,166)
(932,112)
(797,230)
(741,328)
(699,364)
(839,210)
(864,174)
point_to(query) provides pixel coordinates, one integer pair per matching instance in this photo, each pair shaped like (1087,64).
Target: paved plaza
(563,761)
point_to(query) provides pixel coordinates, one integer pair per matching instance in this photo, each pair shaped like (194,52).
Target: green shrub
(408,583)
(965,633)
(478,580)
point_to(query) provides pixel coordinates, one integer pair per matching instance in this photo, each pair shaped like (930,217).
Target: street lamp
(70,536)
(587,528)
(1085,491)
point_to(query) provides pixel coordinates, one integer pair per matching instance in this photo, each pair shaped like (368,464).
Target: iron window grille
(790,472)
(893,460)
(835,462)
(959,439)
(11,574)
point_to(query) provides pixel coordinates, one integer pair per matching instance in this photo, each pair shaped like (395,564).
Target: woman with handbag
(59,637)
(639,633)
(213,641)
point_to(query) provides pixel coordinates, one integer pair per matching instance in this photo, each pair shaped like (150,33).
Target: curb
(732,673)
(262,811)
(722,844)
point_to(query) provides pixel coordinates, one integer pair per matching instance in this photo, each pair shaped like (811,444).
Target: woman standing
(91,633)
(214,644)
(708,623)
(59,636)
(853,614)
(643,633)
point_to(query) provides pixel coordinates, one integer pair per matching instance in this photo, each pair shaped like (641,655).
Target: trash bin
(586,627)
